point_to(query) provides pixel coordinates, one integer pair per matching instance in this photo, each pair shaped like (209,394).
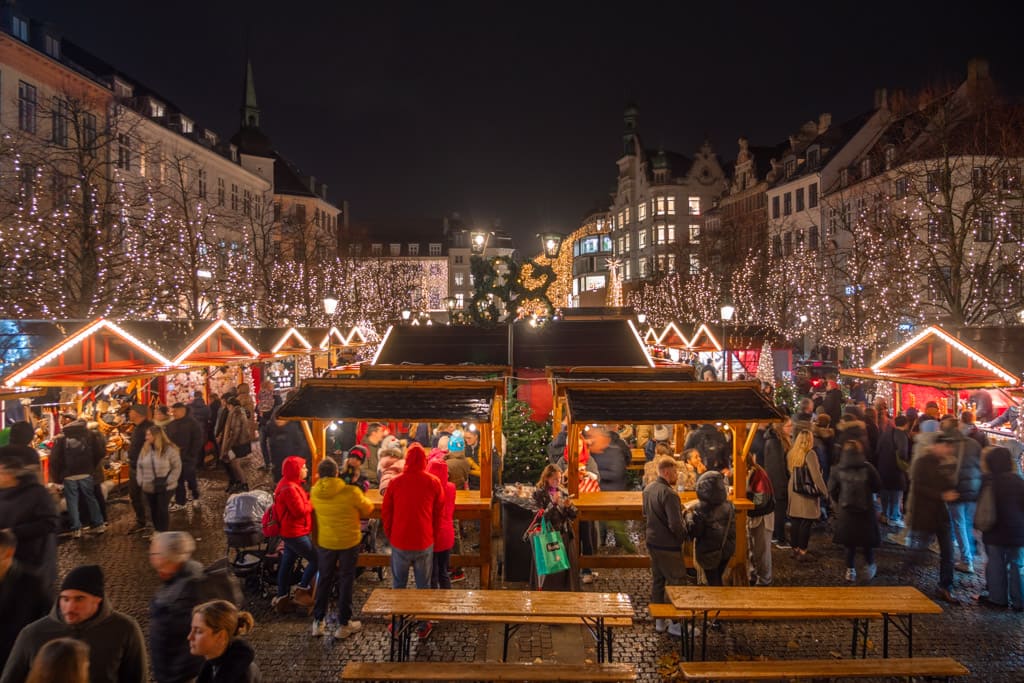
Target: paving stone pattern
(990,643)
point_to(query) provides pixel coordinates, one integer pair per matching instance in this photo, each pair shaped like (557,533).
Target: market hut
(320,402)
(214,358)
(340,347)
(289,353)
(737,405)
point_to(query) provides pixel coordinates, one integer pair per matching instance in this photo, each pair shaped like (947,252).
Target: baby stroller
(251,557)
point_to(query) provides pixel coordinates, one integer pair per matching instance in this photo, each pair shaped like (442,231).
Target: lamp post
(406,314)
(727,313)
(330,305)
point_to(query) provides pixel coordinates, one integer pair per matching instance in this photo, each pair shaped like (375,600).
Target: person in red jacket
(444,541)
(295,513)
(412,513)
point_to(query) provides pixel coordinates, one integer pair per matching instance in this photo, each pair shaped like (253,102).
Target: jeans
(439,577)
(85,487)
(187,478)
(891,505)
(1004,574)
(851,556)
(802,532)
(336,566)
(294,548)
(963,529)
(419,560)
(760,548)
(667,569)
(158,511)
(919,541)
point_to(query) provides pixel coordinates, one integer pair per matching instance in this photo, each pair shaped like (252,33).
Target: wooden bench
(666,611)
(549,621)
(822,668)
(485,671)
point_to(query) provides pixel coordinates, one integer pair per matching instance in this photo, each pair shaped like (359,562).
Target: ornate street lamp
(478,241)
(727,313)
(552,243)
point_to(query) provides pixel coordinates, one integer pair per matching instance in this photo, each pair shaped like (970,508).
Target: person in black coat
(713,448)
(1004,542)
(28,510)
(185,433)
(170,610)
(23,597)
(776,444)
(285,438)
(852,487)
(893,465)
(18,446)
(200,412)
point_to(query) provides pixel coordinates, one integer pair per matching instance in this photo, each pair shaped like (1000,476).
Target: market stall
(737,405)
(341,348)
(319,402)
(287,353)
(214,358)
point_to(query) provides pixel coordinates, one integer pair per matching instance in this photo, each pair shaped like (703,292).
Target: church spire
(250,110)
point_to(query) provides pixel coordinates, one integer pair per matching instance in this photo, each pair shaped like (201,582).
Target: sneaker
(782,545)
(675,629)
(423,632)
(965,567)
(99,529)
(660,625)
(196,504)
(137,528)
(587,578)
(851,575)
(872,571)
(458,575)
(898,523)
(319,628)
(345,630)
(174,507)
(76,533)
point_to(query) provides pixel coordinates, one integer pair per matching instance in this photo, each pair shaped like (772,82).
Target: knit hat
(87,578)
(442,443)
(390,442)
(359,452)
(928,426)
(457,442)
(661,433)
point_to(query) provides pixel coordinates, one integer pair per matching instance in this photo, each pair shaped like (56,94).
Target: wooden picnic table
(896,604)
(468,505)
(406,607)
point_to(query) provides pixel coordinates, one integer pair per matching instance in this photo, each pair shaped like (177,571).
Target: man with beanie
(19,446)
(139,416)
(117,651)
(420,497)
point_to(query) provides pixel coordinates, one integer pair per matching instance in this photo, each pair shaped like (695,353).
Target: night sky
(513,111)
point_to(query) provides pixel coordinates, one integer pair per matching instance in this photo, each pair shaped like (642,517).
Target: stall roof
(669,402)
(386,401)
(353,337)
(413,372)
(284,341)
(678,373)
(218,344)
(556,343)
(935,358)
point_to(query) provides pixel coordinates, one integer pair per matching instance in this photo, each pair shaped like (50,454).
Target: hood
(851,425)
(439,469)
(240,654)
(101,614)
(415,459)
(327,487)
(999,460)
(436,454)
(711,488)
(823,432)
(76,430)
(292,468)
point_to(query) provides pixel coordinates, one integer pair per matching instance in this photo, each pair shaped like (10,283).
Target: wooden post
(740,445)
(485,459)
(572,462)
(311,441)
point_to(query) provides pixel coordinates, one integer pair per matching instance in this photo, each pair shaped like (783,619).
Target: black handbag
(159,483)
(803,482)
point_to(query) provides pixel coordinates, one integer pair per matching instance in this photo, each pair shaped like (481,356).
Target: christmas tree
(525,443)
(614,297)
(765,365)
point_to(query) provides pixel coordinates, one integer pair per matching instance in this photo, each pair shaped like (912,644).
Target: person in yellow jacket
(337,506)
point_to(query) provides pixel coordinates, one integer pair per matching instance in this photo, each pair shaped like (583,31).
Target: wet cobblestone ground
(990,644)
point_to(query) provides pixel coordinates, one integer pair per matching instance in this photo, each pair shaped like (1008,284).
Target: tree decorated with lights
(672,297)
(614,295)
(766,365)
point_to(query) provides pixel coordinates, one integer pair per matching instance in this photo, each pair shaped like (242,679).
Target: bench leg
(704,640)
(885,636)
(510,630)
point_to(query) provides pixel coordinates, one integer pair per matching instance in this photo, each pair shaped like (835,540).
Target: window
(220,199)
(124,152)
(247,203)
(665,234)
(459,259)
(934,231)
(790,167)
(460,300)
(26,107)
(414,249)
(377,249)
(979,179)
(202,183)
(787,204)
(61,190)
(670,206)
(641,211)
(460,278)
(936,181)
(865,167)
(800,199)
(694,233)
(775,206)
(59,125)
(19,27)
(395,249)
(628,247)
(642,267)
(812,238)
(833,221)
(902,187)
(694,204)
(812,195)
(813,157)
(694,264)
(627,270)
(234,197)
(641,243)
(88,131)
(434,249)
(28,181)
(890,156)
(606,243)
(798,236)
(300,213)
(627,215)
(1015,226)
(844,177)
(984,233)
(787,244)
(622,219)
(588,245)
(671,263)
(659,206)
(1009,179)
(777,246)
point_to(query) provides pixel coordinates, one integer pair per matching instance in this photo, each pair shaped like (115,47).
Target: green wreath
(491,286)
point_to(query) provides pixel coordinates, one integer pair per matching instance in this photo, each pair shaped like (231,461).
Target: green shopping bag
(549,550)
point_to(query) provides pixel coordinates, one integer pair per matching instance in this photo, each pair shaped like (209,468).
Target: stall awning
(669,402)
(415,372)
(218,344)
(935,358)
(387,401)
(336,337)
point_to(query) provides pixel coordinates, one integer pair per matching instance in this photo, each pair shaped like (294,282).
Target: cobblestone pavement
(990,643)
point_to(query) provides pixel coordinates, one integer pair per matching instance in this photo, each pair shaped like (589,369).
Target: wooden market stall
(217,346)
(318,402)
(739,405)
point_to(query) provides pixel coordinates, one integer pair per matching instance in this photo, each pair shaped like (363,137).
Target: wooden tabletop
(610,501)
(889,599)
(388,601)
(466,500)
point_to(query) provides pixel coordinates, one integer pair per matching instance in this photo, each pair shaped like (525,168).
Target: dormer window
(434,248)
(844,177)
(122,88)
(865,167)
(414,249)
(790,167)
(396,249)
(19,27)
(813,157)
(156,109)
(52,46)
(377,249)
(890,156)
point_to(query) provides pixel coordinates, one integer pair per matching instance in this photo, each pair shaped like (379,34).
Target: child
(711,523)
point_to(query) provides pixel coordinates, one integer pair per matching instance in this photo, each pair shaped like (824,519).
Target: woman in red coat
(295,514)
(445,539)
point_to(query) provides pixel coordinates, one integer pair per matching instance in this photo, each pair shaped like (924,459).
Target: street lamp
(552,242)
(727,313)
(641,318)
(406,314)
(330,304)
(478,241)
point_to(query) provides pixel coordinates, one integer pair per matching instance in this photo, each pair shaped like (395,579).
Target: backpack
(219,583)
(271,522)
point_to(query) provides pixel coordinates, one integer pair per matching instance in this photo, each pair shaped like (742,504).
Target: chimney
(323,191)
(881,98)
(824,121)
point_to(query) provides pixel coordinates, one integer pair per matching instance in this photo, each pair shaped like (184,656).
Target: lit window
(460,300)
(627,215)
(694,264)
(671,263)
(641,212)
(628,270)
(694,233)
(642,267)
(659,206)
(414,249)
(434,249)
(694,203)
(641,242)
(628,247)
(460,278)
(670,206)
